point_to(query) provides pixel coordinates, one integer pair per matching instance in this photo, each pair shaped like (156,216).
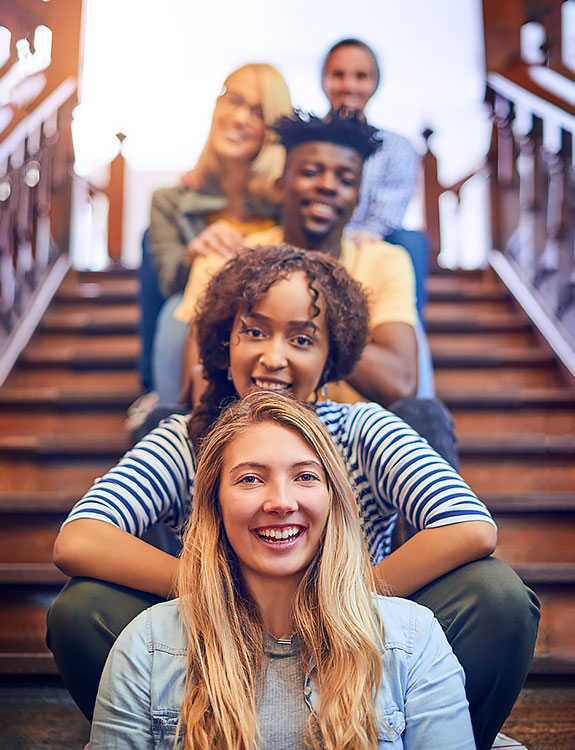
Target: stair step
(546,573)
(454,356)
(91,323)
(473,423)
(436,322)
(113,271)
(46,422)
(545,664)
(41,663)
(485,342)
(542,539)
(474,310)
(510,399)
(517,447)
(65,399)
(48,502)
(31,476)
(526,503)
(501,475)
(442,289)
(494,380)
(96,359)
(105,291)
(65,446)
(30,573)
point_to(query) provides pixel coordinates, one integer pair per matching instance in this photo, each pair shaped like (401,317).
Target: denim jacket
(420,703)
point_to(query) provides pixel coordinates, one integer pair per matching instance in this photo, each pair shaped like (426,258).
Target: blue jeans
(151,301)
(168,351)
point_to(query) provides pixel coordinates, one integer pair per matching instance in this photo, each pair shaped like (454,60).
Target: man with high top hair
(318,193)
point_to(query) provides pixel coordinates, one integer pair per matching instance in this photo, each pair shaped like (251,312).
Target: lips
(279,535)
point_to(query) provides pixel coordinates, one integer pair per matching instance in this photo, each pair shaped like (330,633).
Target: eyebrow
(256,465)
(302,323)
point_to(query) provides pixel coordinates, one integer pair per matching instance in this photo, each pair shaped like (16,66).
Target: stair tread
(510,398)
(545,572)
(30,573)
(452,355)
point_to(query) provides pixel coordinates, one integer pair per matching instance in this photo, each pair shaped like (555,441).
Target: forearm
(384,376)
(96,549)
(431,553)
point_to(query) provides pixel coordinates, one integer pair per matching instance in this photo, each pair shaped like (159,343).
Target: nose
(327,183)
(242,115)
(273,356)
(281,499)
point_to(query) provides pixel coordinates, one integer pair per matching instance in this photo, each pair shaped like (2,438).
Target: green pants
(489,617)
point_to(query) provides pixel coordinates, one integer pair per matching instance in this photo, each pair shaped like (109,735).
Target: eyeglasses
(232,101)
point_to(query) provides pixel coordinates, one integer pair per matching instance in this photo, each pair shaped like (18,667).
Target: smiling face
(274,502)
(320,189)
(238,127)
(349,78)
(282,344)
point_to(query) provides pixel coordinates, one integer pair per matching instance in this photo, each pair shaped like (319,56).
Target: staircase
(61,425)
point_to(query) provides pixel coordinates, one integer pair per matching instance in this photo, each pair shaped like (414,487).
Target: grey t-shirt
(282,710)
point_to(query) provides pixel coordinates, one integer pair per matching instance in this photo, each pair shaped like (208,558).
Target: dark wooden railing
(36,171)
(531,171)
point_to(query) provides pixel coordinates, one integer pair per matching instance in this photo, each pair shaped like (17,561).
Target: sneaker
(503,741)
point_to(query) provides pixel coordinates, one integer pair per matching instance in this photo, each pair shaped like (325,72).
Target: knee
(71,615)
(500,602)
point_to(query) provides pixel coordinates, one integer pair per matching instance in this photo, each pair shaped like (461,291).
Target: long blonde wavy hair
(333,611)
(269,163)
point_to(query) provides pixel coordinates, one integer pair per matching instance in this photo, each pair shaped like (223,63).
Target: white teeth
(266,385)
(281,535)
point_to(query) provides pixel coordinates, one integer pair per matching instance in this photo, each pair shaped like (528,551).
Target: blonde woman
(227,195)
(276,641)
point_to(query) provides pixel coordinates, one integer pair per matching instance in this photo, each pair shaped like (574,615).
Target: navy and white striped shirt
(391,467)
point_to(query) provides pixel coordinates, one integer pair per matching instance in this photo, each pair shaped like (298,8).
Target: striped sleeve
(152,482)
(406,473)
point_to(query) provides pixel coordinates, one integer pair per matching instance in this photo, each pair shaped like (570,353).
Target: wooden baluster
(115,194)
(63,164)
(43,242)
(507,176)
(432,192)
(566,231)
(7,283)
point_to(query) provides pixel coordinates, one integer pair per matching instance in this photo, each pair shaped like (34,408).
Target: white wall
(153,70)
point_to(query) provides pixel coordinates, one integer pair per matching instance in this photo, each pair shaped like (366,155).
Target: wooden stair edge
(552,665)
(30,573)
(518,399)
(545,573)
(530,503)
(29,663)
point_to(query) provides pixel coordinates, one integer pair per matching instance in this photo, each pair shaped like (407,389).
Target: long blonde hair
(269,163)
(333,610)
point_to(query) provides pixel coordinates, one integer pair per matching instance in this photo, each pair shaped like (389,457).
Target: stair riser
(479,343)
(493,380)
(75,478)
(23,617)
(25,538)
(557,626)
(537,537)
(511,477)
(50,423)
(514,422)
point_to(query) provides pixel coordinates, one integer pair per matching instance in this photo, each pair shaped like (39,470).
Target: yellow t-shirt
(384,270)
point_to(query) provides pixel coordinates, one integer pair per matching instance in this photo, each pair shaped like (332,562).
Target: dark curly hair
(341,126)
(241,283)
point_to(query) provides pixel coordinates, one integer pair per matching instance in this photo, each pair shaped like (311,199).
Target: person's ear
(278,190)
